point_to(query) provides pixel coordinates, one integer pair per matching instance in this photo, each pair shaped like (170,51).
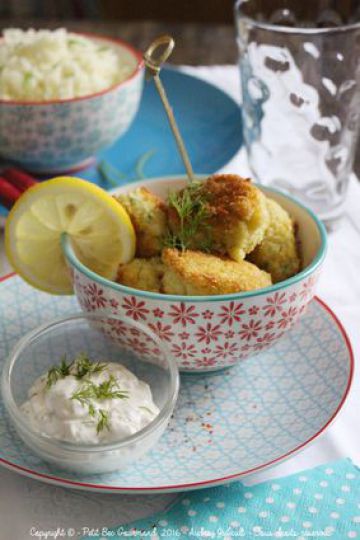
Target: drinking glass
(300,80)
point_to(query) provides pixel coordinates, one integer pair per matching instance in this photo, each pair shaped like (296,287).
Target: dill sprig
(84,366)
(74,41)
(108,389)
(147,409)
(58,372)
(103,421)
(191,206)
(80,367)
(141,162)
(111,176)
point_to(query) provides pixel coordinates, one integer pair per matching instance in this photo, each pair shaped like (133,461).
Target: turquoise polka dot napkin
(321,503)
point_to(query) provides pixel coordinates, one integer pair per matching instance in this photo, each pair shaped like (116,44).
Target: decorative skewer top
(163,46)
(154,62)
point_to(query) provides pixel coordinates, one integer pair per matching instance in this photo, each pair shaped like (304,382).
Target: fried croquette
(149,218)
(197,273)
(143,274)
(277,253)
(234,216)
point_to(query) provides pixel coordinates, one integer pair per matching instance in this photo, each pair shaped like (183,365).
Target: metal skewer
(164,46)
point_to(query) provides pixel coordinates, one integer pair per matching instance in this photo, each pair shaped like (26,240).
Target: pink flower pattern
(208,333)
(137,345)
(250,330)
(274,304)
(264,341)
(184,315)
(118,327)
(287,318)
(200,336)
(86,304)
(231,313)
(206,362)
(183,351)
(158,313)
(96,296)
(162,330)
(134,309)
(307,288)
(114,303)
(228,349)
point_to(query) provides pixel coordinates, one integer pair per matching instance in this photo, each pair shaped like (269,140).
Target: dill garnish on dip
(89,402)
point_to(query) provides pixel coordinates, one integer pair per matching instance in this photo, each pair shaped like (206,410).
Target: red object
(20,179)
(8,193)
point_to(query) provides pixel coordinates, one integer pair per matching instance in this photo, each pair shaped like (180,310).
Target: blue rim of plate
(52,479)
(208,118)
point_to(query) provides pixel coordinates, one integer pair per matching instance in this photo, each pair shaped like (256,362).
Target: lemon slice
(100,230)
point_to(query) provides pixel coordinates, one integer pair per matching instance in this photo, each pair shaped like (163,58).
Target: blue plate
(209,121)
(225,425)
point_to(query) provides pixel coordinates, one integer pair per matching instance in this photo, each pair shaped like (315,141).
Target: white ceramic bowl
(62,135)
(207,333)
(101,338)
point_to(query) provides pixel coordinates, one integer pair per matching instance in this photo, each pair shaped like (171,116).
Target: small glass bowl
(101,337)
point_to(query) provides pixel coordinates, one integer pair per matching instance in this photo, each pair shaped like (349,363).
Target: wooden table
(197,44)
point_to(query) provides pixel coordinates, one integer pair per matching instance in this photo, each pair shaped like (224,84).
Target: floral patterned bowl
(60,135)
(205,333)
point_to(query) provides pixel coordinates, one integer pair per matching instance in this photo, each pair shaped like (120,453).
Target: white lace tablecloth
(28,507)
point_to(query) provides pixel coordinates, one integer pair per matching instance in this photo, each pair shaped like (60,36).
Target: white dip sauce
(103,405)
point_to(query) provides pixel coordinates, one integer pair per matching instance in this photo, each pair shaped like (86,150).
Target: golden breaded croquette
(235,216)
(143,274)
(197,273)
(240,214)
(277,253)
(149,218)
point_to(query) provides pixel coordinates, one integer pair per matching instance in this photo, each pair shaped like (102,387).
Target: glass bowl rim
(17,418)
